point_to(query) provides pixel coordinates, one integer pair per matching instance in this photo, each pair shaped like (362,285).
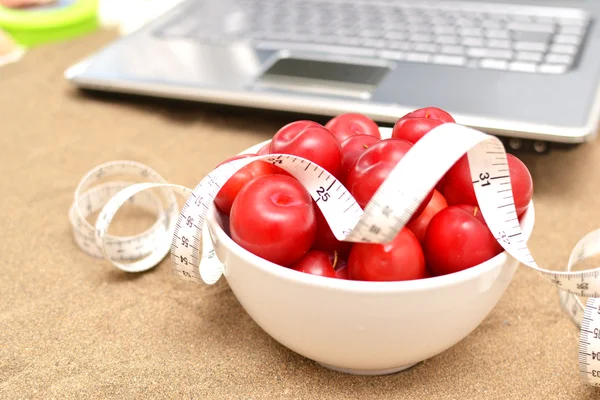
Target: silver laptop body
(524,70)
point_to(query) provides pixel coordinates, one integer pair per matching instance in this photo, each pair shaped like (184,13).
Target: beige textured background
(75,327)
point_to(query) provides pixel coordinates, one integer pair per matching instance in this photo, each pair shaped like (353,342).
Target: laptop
(527,71)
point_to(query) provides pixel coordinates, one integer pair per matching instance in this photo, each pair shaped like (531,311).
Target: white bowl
(368,328)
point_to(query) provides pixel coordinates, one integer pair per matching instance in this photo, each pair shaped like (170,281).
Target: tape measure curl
(385,215)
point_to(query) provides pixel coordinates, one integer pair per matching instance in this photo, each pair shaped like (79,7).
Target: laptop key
(471,32)
(371,33)
(481,52)
(392,55)
(400,46)
(367,23)
(553,68)
(567,39)
(497,34)
(563,49)
(524,36)
(444,29)
(491,24)
(355,51)
(521,66)
(449,60)
(530,46)
(530,27)
(438,20)
(577,30)
(490,63)
(418,57)
(466,22)
(418,28)
(559,59)
(573,21)
(530,56)
(420,37)
(499,43)
(447,39)
(425,47)
(450,49)
(472,41)
(396,35)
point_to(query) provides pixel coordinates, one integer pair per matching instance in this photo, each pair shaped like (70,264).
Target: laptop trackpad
(319,76)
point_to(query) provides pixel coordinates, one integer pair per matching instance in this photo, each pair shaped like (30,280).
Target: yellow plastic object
(62,20)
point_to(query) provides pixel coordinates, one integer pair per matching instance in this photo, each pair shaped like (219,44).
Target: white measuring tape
(180,231)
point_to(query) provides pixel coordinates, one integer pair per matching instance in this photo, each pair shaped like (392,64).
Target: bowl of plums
(354,307)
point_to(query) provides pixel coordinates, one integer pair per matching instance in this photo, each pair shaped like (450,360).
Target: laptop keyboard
(523,39)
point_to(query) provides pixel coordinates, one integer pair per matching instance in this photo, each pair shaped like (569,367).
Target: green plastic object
(63,20)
